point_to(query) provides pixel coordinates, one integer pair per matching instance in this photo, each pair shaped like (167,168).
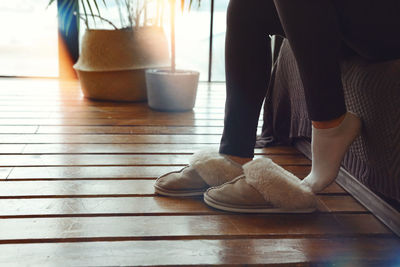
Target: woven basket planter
(112,63)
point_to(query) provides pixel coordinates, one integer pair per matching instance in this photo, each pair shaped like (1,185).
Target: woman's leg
(313,30)
(248,54)
(373,31)
(248,68)
(316,30)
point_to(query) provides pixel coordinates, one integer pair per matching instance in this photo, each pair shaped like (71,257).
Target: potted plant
(113,61)
(171,89)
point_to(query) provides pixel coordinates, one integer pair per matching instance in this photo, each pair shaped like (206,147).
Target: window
(193,39)
(30,46)
(218,51)
(28,40)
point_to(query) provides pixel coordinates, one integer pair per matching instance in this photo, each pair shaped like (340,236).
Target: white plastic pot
(171,91)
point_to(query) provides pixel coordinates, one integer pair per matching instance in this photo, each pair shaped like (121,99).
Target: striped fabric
(372,90)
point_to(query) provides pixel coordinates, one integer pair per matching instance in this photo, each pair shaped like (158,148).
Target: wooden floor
(78,190)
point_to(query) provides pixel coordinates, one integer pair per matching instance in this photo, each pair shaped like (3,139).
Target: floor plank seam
(111,196)
(9,173)
(155,214)
(195,237)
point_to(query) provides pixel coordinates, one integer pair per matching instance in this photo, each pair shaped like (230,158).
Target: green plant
(132,11)
(68,11)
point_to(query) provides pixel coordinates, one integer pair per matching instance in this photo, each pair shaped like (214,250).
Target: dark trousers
(319,33)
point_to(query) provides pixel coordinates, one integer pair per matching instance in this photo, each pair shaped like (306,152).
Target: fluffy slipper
(206,168)
(265,187)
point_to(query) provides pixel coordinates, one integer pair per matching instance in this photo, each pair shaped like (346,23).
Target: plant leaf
(97,7)
(68,22)
(91,11)
(85,13)
(67,12)
(50,2)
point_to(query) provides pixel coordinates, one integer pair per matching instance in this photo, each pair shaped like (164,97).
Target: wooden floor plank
(215,103)
(186,130)
(18,129)
(62,92)
(75,229)
(123,160)
(122,148)
(365,223)
(108,139)
(203,100)
(76,188)
(102,206)
(333,251)
(37,207)
(70,96)
(333,188)
(112,107)
(127,130)
(5,172)
(109,172)
(11,149)
(98,172)
(112,115)
(341,204)
(135,148)
(112,122)
(87,188)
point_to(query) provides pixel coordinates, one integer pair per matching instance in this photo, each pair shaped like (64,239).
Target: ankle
(328,124)
(316,184)
(239,160)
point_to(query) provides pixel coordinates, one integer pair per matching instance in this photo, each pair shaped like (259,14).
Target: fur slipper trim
(278,186)
(214,168)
